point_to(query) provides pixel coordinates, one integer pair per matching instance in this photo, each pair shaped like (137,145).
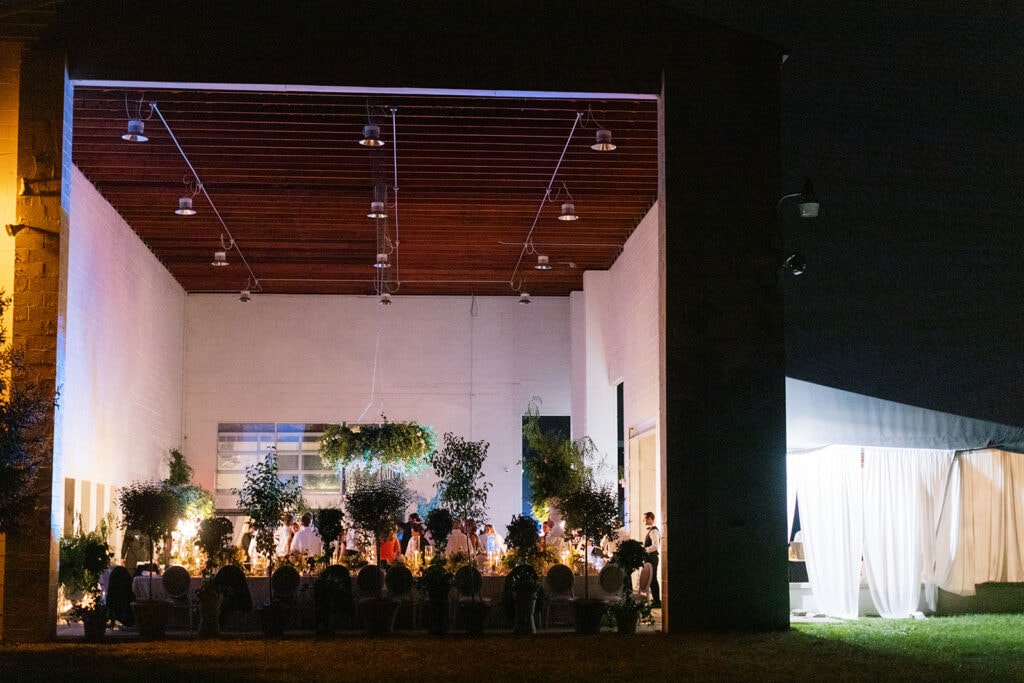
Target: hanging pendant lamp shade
(543,263)
(220,259)
(382,261)
(524,298)
(385,299)
(377,210)
(371,136)
(807,203)
(568,212)
(604,141)
(135,131)
(185,207)
(245,297)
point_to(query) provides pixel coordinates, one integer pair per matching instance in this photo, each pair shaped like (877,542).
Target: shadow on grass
(798,654)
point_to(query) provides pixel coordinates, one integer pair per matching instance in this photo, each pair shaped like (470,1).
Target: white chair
(643,587)
(561,582)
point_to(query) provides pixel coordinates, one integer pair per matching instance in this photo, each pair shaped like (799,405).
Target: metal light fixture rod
(543,201)
(202,188)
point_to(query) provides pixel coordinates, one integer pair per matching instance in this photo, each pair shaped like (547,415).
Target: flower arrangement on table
(402,446)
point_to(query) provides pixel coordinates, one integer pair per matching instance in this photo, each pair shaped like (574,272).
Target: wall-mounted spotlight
(543,263)
(524,298)
(382,261)
(794,264)
(135,131)
(377,210)
(371,136)
(604,141)
(807,201)
(220,259)
(245,297)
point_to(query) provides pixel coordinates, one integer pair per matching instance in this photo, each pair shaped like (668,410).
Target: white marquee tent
(913,496)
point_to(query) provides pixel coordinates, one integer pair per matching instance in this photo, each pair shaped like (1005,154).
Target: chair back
(368,581)
(398,580)
(646,572)
(176,582)
(560,581)
(611,578)
(231,582)
(284,583)
(119,596)
(468,581)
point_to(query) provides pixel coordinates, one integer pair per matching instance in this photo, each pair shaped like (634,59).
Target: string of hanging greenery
(403,446)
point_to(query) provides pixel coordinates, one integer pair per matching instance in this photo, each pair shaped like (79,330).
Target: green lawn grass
(968,648)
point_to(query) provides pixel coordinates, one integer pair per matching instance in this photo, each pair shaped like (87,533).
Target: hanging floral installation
(400,446)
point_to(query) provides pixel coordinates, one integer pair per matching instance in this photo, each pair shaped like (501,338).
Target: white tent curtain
(828,485)
(991,540)
(895,512)
(940,528)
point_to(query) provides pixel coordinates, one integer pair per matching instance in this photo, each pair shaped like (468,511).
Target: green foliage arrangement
(592,509)
(439,523)
(330,522)
(402,446)
(523,541)
(23,440)
(215,540)
(83,558)
(196,502)
(264,497)
(150,507)
(459,472)
(435,580)
(558,463)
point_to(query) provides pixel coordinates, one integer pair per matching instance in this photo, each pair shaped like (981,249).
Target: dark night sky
(908,118)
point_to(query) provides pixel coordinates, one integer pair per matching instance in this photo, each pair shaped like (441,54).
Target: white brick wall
(121,402)
(444,363)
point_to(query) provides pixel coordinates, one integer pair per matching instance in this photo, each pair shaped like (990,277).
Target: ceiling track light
(220,259)
(371,136)
(135,131)
(568,212)
(543,263)
(382,261)
(185,207)
(385,299)
(524,298)
(377,210)
(604,141)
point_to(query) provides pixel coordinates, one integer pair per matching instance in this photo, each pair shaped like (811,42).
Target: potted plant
(264,497)
(84,556)
(461,489)
(436,582)
(153,509)
(592,510)
(377,505)
(210,598)
(523,587)
(630,556)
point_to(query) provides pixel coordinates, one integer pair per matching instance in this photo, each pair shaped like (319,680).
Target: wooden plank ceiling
(465,187)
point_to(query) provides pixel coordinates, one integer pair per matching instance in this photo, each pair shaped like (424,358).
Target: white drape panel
(828,485)
(991,539)
(940,491)
(894,514)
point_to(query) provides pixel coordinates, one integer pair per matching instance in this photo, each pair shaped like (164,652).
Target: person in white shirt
(458,542)
(652,544)
(306,541)
(283,535)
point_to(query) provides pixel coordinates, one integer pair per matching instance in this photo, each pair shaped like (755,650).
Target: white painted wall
(121,401)
(457,364)
(615,333)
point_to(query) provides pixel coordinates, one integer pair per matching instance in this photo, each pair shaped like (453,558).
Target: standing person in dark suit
(652,544)
(414,520)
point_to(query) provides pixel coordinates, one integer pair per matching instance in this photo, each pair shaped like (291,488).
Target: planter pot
(378,615)
(95,624)
(626,620)
(272,619)
(209,614)
(525,603)
(474,616)
(438,613)
(589,614)
(151,618)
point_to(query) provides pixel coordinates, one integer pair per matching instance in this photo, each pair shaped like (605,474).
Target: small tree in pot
(84,556)
(215,541)
(592,509)
(378,505)
(264,497)
(523,584)
(152,508)
(630,556)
